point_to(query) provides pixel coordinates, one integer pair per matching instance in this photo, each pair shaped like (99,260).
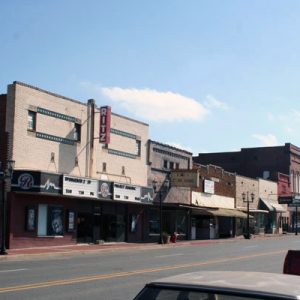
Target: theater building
(80,171)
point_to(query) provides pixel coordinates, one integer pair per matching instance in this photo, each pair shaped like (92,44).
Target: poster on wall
(71,221)
(55,220)
(105,190)
(30,219)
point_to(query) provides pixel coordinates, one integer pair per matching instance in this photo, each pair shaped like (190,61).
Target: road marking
(15,270)
(130,273)
(247,247)
(170,255)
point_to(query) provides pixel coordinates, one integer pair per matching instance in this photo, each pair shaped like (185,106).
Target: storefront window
(175,221)
(153,221)
(181,222)
(50,220)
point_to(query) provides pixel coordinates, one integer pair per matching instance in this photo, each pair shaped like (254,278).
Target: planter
(166,239)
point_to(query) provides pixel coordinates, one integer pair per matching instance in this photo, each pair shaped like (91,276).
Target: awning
(253,210)
(272,205)
(222,212)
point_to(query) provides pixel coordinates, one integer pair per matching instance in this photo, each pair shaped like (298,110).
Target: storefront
(214,216)
(272,219)
(52,209)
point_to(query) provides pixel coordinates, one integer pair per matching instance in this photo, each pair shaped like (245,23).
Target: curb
(69,250)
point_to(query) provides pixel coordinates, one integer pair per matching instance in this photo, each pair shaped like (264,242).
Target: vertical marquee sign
(105,114)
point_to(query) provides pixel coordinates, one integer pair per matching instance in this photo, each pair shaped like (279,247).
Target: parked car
(207,285)
(292,263)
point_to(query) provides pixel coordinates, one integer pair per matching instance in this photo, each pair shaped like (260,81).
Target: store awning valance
(273,205)
(222,212)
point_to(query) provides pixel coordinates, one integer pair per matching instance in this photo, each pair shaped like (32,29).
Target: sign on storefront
(80,187)
(126,192)
(105,190)
(35,181)
(147,195)
(209,186)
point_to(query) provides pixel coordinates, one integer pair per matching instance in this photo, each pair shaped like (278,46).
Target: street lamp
(164,187)
(5,174)
(246,198)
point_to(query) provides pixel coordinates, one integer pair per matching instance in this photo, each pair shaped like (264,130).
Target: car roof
(241,282)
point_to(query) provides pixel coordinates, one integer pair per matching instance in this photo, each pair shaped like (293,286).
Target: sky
(207,76)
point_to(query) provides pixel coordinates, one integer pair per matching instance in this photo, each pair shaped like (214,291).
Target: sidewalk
(43,252)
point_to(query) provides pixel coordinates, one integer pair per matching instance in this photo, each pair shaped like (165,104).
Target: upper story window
(31,120)
(165,164)
(138,148)
(171,165)
(104,167)
(77,132)
(177,165)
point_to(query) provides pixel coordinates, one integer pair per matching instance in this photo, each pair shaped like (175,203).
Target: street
(120,274)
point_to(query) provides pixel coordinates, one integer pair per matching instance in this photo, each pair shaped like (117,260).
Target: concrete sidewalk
(43,252)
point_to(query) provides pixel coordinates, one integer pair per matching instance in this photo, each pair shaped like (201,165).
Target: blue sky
(207,76)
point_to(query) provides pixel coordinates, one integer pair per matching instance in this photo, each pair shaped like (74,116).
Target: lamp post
(164,186)
(5,174)
(246,198)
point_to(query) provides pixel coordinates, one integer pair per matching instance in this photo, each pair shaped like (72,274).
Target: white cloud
(156,106)
(266,140)
(211,103)
(153,105)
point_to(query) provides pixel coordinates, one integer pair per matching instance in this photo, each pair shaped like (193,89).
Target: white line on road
(15,270)
(169,255)
(247,247)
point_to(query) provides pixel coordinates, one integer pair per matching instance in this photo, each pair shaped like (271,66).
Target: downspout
(90,138)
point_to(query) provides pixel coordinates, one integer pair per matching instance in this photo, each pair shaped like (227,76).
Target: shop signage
(35,181)
(209,186)
(125,192)
(147,195)
(105,115)
(80,187)
(105,190)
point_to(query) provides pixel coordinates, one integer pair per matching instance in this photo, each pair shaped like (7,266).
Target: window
(153,221)
(31,120)
(123,170)
(177,165)
(138,147)
(104,167)
(30,219)
(171,165)
(77,132)
(50,220)
(165,164)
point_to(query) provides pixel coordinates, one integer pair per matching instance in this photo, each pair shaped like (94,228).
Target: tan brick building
(94,191)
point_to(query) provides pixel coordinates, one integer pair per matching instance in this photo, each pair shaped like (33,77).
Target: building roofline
(170,147)
(47,92)
(70,99)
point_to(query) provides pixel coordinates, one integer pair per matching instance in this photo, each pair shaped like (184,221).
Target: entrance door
(113,228)
(84,227)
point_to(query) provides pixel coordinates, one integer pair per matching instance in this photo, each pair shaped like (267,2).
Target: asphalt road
(120,274)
